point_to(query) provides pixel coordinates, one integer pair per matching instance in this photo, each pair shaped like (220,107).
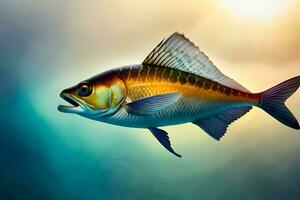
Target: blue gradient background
(46,46)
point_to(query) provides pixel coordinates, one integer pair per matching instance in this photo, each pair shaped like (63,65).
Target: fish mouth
(75,107)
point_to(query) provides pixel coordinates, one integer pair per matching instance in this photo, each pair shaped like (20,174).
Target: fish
(175,84)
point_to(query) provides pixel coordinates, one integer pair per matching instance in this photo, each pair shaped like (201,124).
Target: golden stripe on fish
(167,77)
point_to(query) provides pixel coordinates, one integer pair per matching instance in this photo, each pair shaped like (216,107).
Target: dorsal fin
(178,52)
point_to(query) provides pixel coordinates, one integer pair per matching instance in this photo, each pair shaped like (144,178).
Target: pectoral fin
(152,104)
(163,138)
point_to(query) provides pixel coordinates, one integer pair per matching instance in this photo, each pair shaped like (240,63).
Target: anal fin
(216,126)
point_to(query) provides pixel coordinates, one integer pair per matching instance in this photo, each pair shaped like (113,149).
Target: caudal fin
(272,101)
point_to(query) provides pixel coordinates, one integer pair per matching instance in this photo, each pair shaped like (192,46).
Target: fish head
(101,95)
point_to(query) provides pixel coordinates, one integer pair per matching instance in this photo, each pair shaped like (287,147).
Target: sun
(259,10)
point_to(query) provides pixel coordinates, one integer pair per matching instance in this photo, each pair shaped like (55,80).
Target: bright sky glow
(256,9)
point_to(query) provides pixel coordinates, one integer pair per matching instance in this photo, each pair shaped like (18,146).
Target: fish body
(201,97)
(175,84)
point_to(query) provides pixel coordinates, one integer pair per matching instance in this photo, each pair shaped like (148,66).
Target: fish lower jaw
(75,106)
(69,109)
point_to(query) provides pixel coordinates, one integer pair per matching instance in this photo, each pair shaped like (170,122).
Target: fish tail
(273,101)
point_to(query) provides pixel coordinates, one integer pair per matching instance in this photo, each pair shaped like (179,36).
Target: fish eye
(84,90)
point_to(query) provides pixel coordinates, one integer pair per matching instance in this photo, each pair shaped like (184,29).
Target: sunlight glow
(256,9)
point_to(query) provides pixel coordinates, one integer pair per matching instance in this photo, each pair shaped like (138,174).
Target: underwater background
(46,46)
